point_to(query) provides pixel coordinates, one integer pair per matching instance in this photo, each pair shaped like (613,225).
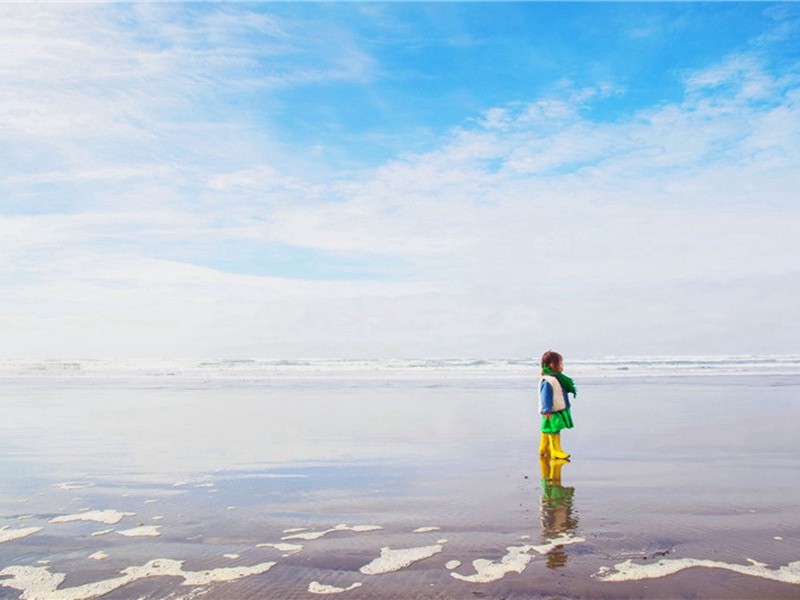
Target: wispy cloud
(154,88)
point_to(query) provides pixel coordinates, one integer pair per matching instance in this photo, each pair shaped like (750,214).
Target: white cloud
(744,74)
(531,225)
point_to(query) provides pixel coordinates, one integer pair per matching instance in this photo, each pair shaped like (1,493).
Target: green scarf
(566,382)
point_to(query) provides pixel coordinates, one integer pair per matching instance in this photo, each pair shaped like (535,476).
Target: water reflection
(556,508)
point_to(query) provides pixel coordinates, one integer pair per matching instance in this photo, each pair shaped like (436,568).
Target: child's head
(553,360)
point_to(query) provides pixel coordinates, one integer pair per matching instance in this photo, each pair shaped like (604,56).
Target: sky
(366,180)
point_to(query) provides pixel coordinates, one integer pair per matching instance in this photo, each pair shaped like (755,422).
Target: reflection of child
(555,509)
(554,404)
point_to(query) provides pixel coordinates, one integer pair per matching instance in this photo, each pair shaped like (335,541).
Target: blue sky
(399,179)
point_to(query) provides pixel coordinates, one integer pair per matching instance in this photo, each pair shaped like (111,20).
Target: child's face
(559,367)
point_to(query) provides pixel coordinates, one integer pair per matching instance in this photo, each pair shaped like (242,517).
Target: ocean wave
(256,369)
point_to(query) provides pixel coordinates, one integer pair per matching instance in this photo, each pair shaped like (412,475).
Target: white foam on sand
(6,534)
(315,535)
(394,560)
(515,561)
(73,485)
(452,564)
(315,587)
(110,517)
(628,571)
(288,548)
(141,531)
(99,555)
(426,529)
(37,583)
(103,532)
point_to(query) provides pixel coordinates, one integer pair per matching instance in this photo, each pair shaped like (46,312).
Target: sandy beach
(397,485)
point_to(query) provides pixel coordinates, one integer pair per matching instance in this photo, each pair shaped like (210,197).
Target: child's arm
(546,399)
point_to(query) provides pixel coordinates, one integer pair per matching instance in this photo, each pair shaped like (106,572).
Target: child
(554,404)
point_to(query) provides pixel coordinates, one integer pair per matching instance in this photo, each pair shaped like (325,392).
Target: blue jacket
(546,397)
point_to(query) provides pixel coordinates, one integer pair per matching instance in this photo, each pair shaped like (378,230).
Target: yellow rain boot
(544,445)
(555,447)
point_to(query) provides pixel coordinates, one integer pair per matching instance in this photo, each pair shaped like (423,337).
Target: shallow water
(663,469)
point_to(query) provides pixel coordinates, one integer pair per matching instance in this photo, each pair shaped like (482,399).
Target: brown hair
(551,359)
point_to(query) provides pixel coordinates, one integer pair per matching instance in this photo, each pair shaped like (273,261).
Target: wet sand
(678,487)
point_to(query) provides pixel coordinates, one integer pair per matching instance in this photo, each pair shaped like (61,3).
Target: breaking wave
(396,368)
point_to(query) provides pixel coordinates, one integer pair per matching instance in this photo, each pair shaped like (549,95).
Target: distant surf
(394,368)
